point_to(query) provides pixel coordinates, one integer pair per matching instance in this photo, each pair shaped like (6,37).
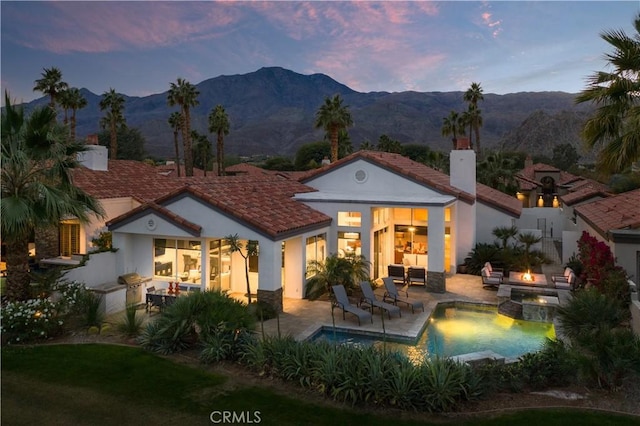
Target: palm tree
(72,99)
(185,95)
(252,250)
(348,271)
(114,104)
(454,126)
(333,117)
(505,233)
(219,124)
(175,121)
(36,186)
(473,95)
(615,125)
(51,84)
(498,171)
(202,150)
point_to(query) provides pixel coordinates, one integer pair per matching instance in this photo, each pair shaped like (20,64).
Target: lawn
(118,385)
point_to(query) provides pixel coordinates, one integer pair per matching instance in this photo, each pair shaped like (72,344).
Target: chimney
(95,157)
(528,162)
(462,169)
(463,143)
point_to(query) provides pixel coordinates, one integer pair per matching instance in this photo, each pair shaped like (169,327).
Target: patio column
(436,281)
(270,274)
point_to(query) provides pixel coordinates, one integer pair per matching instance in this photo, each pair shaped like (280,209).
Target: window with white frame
(178,259)
(69,237)
(353,219)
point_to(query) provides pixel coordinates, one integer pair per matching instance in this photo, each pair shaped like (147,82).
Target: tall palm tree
(201,149)
(498,170)
(36,186)
(175,121)
(332,116)
(113,103)
(453,125)
(473,95)
(615,126)
(51,84)
(185,95)
(219,124)
(73,100)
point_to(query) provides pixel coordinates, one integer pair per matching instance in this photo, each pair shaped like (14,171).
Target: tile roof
(263,203)
(617,212)
(498,199)
(124,178)
(583,193)
(143,209)
(246,169)
(527,176)
(170,170)
(402,166)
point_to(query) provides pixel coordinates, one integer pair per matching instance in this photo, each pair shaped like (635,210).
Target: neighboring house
(615,220)
(383,206)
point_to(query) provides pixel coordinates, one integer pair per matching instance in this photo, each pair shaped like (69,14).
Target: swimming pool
(461,329)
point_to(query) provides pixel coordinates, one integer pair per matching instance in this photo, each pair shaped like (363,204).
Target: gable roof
(167,214)
(527,176)
(613,213)
(400,165)
(584,191)
(263,203)
(124,178)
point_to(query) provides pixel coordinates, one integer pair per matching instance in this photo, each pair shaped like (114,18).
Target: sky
(139,47)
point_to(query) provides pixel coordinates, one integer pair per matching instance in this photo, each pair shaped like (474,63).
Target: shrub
(589,311)
(131,323)
(223,343)
(196,318)
(33,319)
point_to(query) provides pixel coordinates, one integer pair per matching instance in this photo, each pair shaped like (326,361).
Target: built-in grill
(134,282)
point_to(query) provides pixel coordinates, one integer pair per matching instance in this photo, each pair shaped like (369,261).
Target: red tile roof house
(173,229)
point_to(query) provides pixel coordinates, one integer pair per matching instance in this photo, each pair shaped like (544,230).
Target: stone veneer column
(436,282)
(272,297)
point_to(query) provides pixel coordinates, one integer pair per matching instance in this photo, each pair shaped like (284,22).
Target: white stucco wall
(488,219)
(538,217)
(99,269)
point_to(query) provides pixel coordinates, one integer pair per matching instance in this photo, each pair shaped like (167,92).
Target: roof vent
(360,176)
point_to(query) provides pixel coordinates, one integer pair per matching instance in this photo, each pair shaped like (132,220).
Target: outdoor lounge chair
(392,295)
(494,272)
(488,281)
(397,273)
(342,301)
(566,284)
(417,276)
(369,297)
(564,277)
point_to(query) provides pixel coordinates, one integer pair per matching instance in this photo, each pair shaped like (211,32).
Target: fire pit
(528,279)
(527,276)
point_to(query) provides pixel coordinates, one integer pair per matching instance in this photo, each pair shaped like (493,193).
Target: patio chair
(369,298)
(392,294)
(568,284)
(562,278)
(342,301)
(417,276)
(155,300)
(397,273)
(494,272)
(488,281)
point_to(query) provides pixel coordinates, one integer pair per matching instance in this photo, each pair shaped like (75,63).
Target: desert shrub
(93,313)
(29,320)
(348,271)
(131,323)
(443,383)
(195,318)
(589,311)
(223,343)
(615,285)
(481,254)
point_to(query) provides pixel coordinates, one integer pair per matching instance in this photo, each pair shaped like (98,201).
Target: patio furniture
(417,275)
(342,301)
(369,297)
(494,272)
(154,300)
(564,277)
(488,281)
(397,273)
(566,284)
(393,294)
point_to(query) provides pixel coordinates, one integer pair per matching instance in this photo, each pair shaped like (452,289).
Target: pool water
(460,330)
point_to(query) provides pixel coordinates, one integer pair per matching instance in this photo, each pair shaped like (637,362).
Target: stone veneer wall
(436,282)
(273,298)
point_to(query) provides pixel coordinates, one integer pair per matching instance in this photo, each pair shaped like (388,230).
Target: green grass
(117,385)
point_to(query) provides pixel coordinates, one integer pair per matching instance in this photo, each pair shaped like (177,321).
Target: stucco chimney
(528,162)
(462,166)
(95,157)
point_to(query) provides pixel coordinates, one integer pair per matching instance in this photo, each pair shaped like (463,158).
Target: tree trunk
(113,143)
(175,143)
(18,269)
(477,129)
(47,239)
(186,140)
(219,159)
(334,144)
(73,126)
(246,272)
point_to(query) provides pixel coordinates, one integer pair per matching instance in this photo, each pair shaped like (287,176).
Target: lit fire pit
(528,277)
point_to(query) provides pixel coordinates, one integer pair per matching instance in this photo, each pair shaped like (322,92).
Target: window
(315,250)
(349,243)
(349,219)
(69,237)
(178,259)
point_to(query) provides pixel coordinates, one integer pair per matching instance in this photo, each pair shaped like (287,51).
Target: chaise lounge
(392,294)
(369,297)
(342,301)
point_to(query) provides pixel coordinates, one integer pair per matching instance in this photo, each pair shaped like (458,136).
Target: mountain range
(272,112)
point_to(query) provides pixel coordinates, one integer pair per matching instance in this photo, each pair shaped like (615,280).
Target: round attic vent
(151,224)
(360,176)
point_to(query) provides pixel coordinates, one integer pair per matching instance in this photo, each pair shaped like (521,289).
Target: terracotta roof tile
(246,169)
(402,166)
(499,199)
(143,209)
(124,178)
(527,176)
(171,170)
(617,212)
